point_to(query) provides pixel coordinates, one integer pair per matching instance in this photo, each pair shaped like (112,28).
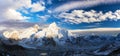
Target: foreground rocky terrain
(95,46)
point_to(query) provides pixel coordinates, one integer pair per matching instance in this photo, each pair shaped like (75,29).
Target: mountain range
(59,39)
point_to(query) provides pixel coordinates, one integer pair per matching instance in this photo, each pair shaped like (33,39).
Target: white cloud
(79,16)
(14,15)
(96,29)
(8,9)
(82,4)
(37,7)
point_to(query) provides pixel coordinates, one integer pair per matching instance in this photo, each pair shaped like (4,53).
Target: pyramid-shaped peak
(53,25)
(36,26)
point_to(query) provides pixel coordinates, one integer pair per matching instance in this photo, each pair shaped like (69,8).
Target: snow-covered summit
(53,26)
(20,34)
(56,38)
(52,31)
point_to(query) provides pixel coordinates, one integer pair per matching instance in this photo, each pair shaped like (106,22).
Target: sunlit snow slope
(52,36)
(28,36)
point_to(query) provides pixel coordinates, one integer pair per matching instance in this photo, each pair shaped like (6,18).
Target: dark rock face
(115,52)
(11,50)
(49,41)
(12,47)
(118,35)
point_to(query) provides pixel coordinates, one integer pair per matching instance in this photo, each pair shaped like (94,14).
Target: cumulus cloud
(37,7)
(14,15)
(9,9)
(82,4)
(80,16)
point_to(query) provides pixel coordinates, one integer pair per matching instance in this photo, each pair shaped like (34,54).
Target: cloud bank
(82,4)
(9,9)
(80,16)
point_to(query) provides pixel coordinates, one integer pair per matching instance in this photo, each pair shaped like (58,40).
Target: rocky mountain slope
(56,39)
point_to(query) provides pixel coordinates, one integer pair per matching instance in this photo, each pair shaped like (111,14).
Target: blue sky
(71,14)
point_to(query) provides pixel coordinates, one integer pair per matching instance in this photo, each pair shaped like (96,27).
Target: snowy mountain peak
(36,26)
(53,25)
(51,31)
(31,33)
